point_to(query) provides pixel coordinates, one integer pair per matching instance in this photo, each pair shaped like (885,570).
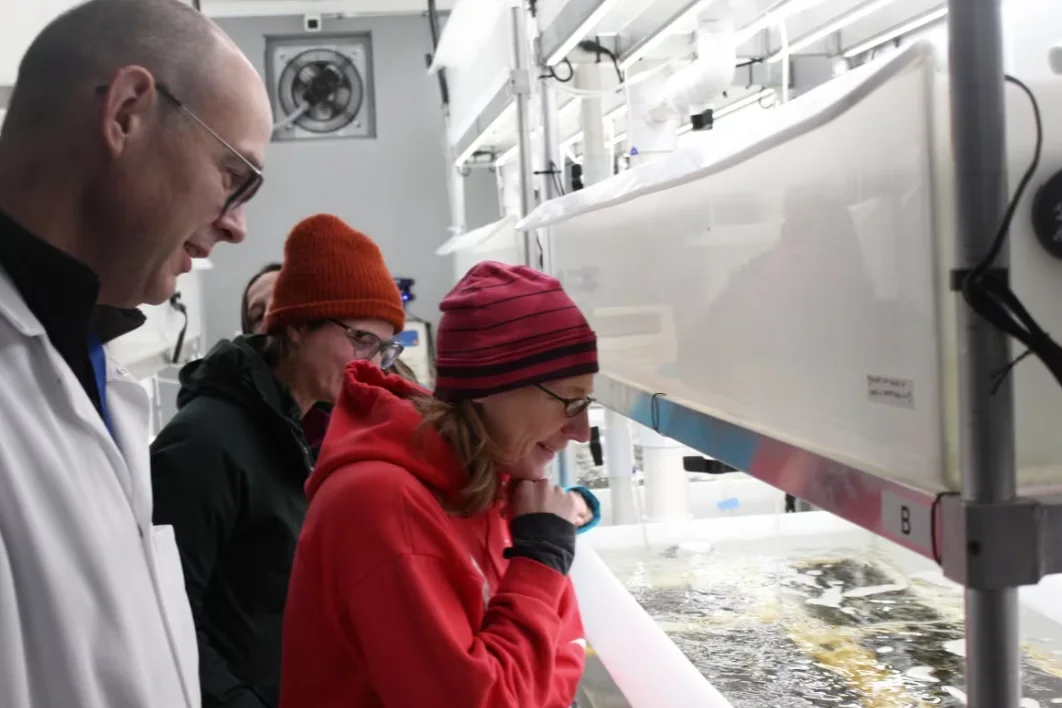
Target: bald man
(134,137)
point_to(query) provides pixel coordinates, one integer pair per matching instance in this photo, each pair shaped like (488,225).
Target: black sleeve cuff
(546,538)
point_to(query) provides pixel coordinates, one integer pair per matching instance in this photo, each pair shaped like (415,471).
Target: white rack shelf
(660,32)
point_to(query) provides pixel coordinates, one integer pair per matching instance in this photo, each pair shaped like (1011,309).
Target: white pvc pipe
(509,183)
(666,480)
(647,667)
(619,465)
(589,76)
(695,87)
(458,225)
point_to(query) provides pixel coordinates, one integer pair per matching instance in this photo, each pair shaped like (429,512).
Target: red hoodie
(393,602)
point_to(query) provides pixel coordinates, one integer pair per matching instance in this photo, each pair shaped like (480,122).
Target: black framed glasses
(572,406)
(249,184)
(367,345)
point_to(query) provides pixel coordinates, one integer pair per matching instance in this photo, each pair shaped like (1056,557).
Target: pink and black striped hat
(505,327)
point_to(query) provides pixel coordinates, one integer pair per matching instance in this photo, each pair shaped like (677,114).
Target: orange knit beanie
(333,271)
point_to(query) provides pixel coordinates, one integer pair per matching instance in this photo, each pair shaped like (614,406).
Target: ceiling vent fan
(322,89)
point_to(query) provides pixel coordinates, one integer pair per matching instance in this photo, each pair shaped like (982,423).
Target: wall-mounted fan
(322,90)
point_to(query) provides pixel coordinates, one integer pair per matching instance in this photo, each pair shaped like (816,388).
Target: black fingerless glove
(546,538)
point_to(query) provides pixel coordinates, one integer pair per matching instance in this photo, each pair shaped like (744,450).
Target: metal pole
(551,160)
(619,465)
(993,673)
(551,157)
(521,85)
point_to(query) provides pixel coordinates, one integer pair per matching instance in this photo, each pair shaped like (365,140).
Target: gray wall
(392,188)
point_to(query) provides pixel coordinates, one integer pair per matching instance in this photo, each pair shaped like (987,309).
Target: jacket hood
(235,370)
(375,420)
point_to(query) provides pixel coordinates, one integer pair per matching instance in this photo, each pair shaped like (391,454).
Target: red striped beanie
(505,327)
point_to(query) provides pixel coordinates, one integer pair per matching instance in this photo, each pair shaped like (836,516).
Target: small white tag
(891,391)
(909,522)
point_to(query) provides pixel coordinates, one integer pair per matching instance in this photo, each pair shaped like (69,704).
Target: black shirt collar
(59,290)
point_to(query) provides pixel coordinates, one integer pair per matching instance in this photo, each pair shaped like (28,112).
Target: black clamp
(1047,215)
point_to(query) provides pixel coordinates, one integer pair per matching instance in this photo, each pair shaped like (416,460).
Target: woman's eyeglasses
(367,345)
(572,406)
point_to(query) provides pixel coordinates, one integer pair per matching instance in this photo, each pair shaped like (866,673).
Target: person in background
(134,135)
(228,470)
(432,567)
(257,297)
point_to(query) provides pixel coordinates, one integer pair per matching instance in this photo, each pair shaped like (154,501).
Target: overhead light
(581,31)
(654,40)
(838,24)
(776,14)
(507,155)
(896,32)
(507,113)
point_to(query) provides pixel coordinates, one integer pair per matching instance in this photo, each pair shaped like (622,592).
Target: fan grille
(332,112)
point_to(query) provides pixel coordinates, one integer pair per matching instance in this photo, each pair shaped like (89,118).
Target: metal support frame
(551,154)
(521,89)
(993,674)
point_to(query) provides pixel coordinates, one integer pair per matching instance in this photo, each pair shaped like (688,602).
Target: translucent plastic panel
(789,288)
(474,84)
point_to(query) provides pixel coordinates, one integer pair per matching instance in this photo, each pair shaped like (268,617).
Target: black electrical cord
(555,173)
(177,304)
(565,79)
(987,289)
(748,64)
(595,47)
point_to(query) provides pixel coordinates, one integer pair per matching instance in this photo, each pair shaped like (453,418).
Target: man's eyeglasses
(367,345)
(572,406)
(249,185)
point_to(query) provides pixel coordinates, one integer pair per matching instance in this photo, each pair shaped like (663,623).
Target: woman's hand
(543,497)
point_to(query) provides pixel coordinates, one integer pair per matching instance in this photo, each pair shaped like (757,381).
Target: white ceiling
(252,8)
(21,20)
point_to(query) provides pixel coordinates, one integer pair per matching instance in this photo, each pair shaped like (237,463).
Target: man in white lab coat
(133,138)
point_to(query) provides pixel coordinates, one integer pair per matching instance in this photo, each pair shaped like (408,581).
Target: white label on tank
(907,521)
(891,391)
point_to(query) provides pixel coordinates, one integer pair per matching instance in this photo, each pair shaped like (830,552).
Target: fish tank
(783,611)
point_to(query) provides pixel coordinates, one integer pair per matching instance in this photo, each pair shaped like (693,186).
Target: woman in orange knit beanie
(228,470)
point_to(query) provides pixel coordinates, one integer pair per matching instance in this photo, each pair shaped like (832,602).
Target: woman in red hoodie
(432,567)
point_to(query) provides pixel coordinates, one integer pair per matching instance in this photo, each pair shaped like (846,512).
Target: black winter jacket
(228,474)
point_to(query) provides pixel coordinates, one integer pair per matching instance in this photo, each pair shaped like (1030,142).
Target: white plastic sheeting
(497,241)
(797,264)
(474,83)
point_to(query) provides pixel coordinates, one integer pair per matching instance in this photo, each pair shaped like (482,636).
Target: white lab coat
(93,611)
